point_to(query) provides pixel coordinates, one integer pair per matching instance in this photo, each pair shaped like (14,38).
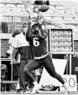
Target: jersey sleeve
(10,50)
(15,43)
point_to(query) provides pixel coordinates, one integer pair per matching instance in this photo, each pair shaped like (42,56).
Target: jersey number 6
(36,42)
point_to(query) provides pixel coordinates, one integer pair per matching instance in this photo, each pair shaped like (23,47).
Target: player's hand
(7,55)
(40,34)
(45,33)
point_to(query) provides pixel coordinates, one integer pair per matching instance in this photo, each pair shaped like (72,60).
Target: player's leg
(51,70)
(32,65)
(29,80)
(22,76)
(18,84)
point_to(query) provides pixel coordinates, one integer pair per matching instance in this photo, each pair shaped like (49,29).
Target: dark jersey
(38,45)
(26,53)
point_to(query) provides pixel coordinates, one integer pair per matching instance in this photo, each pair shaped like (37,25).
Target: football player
(23,56)
(37,37)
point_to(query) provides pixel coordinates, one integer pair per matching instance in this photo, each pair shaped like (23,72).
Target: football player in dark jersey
(37,37)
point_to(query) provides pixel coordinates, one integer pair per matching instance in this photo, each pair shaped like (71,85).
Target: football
(44,5)
(44,8)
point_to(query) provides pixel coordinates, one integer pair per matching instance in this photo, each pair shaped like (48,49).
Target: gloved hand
(7,55)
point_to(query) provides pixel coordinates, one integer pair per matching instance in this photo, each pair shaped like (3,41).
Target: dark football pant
(23,78)
(45,62)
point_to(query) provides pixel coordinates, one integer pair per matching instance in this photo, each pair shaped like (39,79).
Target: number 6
(36,42)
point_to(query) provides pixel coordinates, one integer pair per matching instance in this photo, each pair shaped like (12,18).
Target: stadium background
(13,15)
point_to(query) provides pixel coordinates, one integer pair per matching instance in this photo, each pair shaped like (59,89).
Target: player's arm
(11,43)
(10,50)
(29,34)
(43,34)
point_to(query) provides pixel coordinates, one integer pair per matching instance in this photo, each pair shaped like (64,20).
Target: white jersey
(16,42)
(19,41)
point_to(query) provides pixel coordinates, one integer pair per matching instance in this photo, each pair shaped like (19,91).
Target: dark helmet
(36,24)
